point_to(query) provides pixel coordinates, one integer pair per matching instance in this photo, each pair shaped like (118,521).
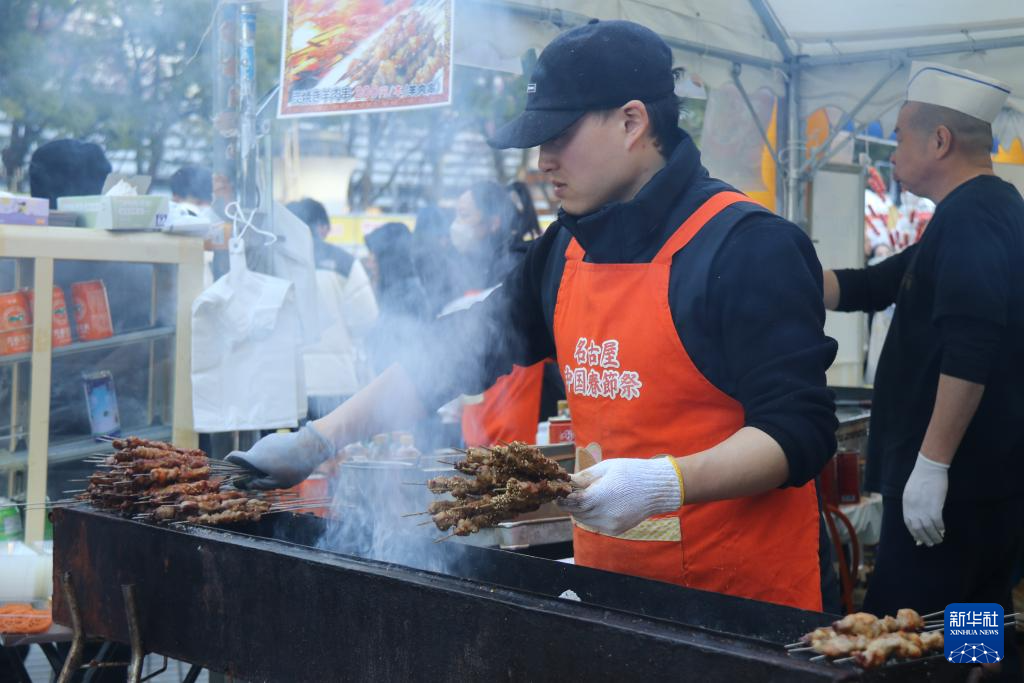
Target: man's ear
(942,142)
(636,121)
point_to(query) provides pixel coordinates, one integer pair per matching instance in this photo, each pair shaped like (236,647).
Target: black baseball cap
(600,65)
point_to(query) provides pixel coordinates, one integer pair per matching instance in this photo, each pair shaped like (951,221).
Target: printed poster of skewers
(365,55)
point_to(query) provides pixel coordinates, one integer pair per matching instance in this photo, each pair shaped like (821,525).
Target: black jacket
(745,295)
(959,297)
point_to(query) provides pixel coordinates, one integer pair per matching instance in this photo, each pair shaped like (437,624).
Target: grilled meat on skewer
(865,624)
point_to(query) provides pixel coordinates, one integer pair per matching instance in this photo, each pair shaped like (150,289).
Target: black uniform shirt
(959,297)
(745,295)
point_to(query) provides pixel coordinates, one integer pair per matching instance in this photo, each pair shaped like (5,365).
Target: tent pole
(812,164)
(915,52)
(736,68)
(793,146)
(771,25)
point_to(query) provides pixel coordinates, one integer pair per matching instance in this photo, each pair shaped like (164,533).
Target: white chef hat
(964,91)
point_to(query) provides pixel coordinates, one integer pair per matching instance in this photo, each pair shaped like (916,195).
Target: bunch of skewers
(870,641)
(158,482)
(502,482)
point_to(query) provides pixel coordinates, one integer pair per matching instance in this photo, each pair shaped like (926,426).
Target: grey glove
(280,461)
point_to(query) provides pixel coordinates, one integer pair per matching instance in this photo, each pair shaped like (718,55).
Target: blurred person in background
(432,256)
(192,192)
(67,168)
(193,185)
(490,231)
(401,299)
(335,366)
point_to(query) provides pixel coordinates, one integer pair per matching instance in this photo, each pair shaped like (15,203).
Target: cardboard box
(119,212)
(24,210)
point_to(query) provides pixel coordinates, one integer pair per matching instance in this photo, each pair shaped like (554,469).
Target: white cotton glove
(923,498)
(280,461)
(620,493)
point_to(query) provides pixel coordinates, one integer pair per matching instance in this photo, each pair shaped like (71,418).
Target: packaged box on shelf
(119,211)
(24,210)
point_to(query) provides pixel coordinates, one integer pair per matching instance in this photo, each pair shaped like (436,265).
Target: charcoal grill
(260,603)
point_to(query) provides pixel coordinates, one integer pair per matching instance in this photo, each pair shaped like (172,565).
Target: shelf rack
(43,246)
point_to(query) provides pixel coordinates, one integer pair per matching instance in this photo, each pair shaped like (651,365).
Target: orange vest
(509,410)
(633,389)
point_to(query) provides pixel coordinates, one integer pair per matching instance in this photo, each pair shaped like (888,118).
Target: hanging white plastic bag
(293,260)
(246,360)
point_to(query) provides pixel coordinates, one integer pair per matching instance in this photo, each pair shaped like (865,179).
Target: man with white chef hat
(946,447)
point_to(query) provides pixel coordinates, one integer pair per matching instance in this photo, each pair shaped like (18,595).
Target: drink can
(848,476)
(560,430)
(829,484)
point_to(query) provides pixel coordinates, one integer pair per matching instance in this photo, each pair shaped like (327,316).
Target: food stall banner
(365,55)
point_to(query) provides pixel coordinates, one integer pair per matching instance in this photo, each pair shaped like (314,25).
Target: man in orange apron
(685,319)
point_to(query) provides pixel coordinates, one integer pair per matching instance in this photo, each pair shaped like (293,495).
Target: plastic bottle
(356,452)
(407,451)
(563,408)
(380,448)
(10,521)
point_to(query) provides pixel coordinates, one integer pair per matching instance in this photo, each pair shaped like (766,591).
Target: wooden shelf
(45,245)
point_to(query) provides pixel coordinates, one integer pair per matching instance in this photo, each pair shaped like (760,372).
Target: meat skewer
(865,624)
(156,481)
(503,481)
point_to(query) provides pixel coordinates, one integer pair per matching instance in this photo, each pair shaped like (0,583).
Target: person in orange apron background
(686,320)
(490,232)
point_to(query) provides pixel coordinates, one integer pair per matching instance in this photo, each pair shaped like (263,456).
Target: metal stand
(74,659)
(134,637)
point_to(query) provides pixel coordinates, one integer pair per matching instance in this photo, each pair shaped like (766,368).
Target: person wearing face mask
(686,319)
(489,232)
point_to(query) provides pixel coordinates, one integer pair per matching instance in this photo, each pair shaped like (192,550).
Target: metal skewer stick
(843,660)
(818,658)
(933,614)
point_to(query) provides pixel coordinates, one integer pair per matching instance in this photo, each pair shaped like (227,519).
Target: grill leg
(192,674)
(134,635)
(74,658)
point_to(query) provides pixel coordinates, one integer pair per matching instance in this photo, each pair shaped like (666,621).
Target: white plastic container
(22,572)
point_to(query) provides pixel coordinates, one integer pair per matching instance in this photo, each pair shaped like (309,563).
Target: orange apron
(633,389)
(509,410)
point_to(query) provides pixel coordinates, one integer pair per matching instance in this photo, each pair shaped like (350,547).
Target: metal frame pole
(794,146)
(246,192)
(812,164)
(914,52)
(736,69)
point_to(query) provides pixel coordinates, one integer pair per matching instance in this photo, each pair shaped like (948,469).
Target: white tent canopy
(851,56)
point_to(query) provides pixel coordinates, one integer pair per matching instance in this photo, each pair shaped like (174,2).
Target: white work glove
(620,493)
(280,461)
(923,498)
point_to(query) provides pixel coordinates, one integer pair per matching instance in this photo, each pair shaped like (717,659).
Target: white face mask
(462,234)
